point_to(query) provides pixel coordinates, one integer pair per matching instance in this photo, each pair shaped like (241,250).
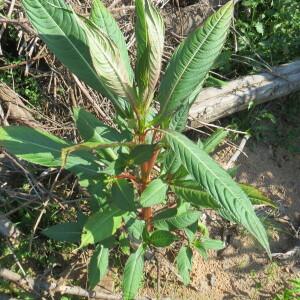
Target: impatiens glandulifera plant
(148,183)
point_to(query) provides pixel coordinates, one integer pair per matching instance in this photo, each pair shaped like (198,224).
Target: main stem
(146,168)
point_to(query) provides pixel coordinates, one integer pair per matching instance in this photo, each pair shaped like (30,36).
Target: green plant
(130,171)
(292,293)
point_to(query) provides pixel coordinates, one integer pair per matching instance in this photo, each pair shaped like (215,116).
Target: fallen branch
(41,287)
(215,103)
(16,110)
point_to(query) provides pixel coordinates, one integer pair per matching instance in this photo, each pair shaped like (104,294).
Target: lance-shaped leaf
(193,59)
(98,266)
(100,226)
(108,64)
(102,18)
(63,32)
(150,32)
(39,147)
(133,274)
(233,201)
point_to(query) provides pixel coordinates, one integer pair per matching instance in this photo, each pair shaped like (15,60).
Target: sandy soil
(242,270)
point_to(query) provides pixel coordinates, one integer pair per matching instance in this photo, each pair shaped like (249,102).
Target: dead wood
(215,103)
(16,111)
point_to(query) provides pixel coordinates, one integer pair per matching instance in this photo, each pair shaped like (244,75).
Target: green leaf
(162,238)
(93,130)
(140,154)
(218,183)
(210,144)
(184,264)
(135,227)
(191,192)
(184,219)
(63,32)
(66,232)
(256,196)
(133,274)
(208,244)
(160,218)
(192,61)
(39,147)
(123,195)
(100,226)
(154,194)
(149,31)
(102,18)
(98,265)
(107,62)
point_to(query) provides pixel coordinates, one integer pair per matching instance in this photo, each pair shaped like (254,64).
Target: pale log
(215,103)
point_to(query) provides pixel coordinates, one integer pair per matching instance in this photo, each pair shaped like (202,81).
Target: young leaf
(108,64)
(63,32)
(123,195)
(93,130)
(184,263)
(184,219)
(140,154)
(154,194)
(219,184)
(210,144)
(39,147)
(208,244)
(135,227)
(102,18)
(66,232)
(98,265)
(133,274)
(162,238)
(191,192)
(149,31)
(256,196)
(100,226)
(193,59)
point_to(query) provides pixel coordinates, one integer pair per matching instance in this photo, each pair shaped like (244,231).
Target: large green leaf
(92,129)
(191,192)
(133,274)
(39,147)
(102,18)
(218,183)
(154,194)
(149,31)
(100,226)
(192,61)
(184,263)
(63,32)
(98,265)
(123,195)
